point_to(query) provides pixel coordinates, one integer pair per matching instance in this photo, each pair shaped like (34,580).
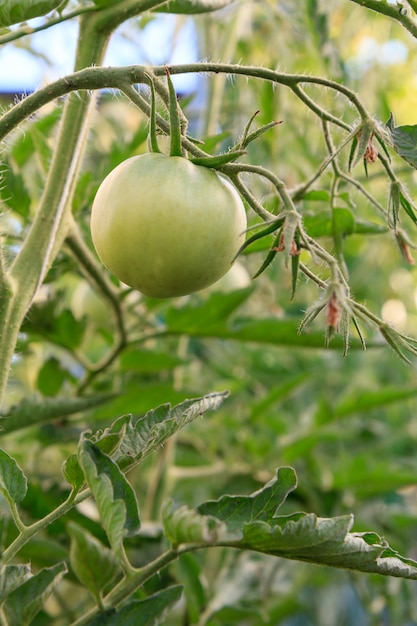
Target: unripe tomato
(165,226)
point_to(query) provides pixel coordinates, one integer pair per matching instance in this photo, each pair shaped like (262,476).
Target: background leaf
(115,498)
(94,564)
(26,601)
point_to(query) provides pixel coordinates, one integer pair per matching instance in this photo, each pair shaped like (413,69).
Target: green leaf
(11,577)
(36,410)
(115,498)
(148,612)
(363,401)
(94,564)
(261,505)
(150,432)
(51,377)
(13,190)
(297,533)
(190,575)
(183,525)
(148,361)
(206,314)
(15,11)
(404,139)
(190,7)
(13,482)
(252,523)
(273,331)
(317,195)
(72,472)
(26,601)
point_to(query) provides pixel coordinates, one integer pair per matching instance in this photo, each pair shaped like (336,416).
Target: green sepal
(295,264)
(365,135)
(219,160)
(153,141)
(270,256)
(352,153)
(383,146)
(272,227)
(174,119)
(246,140)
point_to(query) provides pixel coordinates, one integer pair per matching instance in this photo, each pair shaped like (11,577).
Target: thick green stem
(53,218)
(50,225)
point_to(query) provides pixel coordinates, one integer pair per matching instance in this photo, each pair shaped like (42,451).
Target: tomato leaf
(253,523)
(11,577)
(404,139)
(151,431)
(24,602)
(36,410)
(94,564)
(15,11)
(13,482)
(148,612)
(115,498)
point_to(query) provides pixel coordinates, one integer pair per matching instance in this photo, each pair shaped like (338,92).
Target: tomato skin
(165,226)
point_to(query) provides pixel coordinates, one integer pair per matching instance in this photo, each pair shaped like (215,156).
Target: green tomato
(165,226)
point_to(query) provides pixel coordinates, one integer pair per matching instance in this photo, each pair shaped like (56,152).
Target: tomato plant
(165,226)
(298,173)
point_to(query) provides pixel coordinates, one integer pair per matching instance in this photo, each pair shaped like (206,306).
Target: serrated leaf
(252,523)
(11,577)
(183,525)
(295,533)
(261,505)
(404,139)
(151,431)
(115,498)
(148,612)
(13,482)
(93,563)
(26,601)
(15,11)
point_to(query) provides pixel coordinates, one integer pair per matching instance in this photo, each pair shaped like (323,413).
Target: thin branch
(31,30)
(393,11)
(94,78)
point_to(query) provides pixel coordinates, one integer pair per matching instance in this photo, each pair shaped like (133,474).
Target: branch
(94,78)
(393,11)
